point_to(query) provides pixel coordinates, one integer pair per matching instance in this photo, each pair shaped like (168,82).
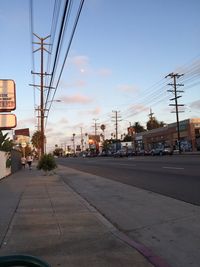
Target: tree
(138,127)
(153,123)
(127,138)
(36,139)
(106,144)
(5,143)
(103,127)
(58,151)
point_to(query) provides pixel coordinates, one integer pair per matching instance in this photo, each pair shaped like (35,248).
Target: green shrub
(47,163)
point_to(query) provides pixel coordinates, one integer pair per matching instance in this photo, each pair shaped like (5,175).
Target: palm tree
(103,127)
(36,140)
(5,143)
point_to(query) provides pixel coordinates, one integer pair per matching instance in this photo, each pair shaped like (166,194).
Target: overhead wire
(66,54)
(56,11)
(191,74)
(58,47)
(32,47)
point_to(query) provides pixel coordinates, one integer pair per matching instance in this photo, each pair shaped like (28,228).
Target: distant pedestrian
(23,162)
(29,160)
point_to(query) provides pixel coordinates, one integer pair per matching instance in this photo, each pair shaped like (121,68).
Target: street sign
(7,121)
(7,95)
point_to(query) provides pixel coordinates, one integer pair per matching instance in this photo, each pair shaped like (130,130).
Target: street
(174,176)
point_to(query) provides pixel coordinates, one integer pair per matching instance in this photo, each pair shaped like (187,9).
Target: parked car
(143,152)
(120,153)
(105,154)
(161,151)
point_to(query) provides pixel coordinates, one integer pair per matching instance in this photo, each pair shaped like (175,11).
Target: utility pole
(38,118)
(151,115)
(82,139)
(116,119)
(73,140)
(95,127)
(175,76)
(42,74)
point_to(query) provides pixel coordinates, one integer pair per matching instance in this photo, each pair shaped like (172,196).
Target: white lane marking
(126,164)
(173,168)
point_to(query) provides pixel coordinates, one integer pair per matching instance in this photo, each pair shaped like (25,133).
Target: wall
(15,160)
(3,170)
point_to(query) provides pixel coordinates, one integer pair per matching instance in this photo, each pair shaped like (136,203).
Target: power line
(59,44)
(67,52)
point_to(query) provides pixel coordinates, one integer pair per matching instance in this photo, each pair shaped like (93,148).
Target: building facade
(167,136)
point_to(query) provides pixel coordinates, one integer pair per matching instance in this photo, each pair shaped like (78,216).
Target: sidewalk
(168,227)
(42,216)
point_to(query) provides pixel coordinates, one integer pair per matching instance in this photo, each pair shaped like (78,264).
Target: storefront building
(167,136)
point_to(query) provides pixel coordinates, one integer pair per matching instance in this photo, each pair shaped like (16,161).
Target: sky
(118,60)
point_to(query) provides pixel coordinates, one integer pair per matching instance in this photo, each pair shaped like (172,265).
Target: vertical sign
(7,95)
(7,121)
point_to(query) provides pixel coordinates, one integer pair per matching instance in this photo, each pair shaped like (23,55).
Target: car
(120,153)
(143,152)
(161,151)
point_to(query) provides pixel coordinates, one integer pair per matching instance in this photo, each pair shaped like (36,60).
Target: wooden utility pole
(116,119)
(42,74)
(82,139)
(95,127)
(151,117)
(175,76)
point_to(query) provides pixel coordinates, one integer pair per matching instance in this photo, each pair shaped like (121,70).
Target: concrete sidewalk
(42,216)
(168,227)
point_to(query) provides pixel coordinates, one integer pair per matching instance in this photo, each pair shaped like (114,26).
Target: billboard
(7,95)
(7,121)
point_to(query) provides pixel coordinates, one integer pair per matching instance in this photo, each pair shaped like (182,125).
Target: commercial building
(167,136)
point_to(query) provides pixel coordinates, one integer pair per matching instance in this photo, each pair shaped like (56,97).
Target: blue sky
(120,52)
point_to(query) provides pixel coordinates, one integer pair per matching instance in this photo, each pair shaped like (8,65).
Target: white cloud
(104,72)
(195,104)
(26,123)
(93,112)
(127,88)
(80,61)
(76,99)
(74,84)
(63,121)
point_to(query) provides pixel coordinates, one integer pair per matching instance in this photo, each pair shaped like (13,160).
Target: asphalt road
(174,176)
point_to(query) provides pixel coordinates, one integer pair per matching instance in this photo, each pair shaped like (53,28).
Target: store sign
(7,95)
(24,132)
(7,121)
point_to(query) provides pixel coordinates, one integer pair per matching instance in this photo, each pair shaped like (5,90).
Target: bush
(47,163)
